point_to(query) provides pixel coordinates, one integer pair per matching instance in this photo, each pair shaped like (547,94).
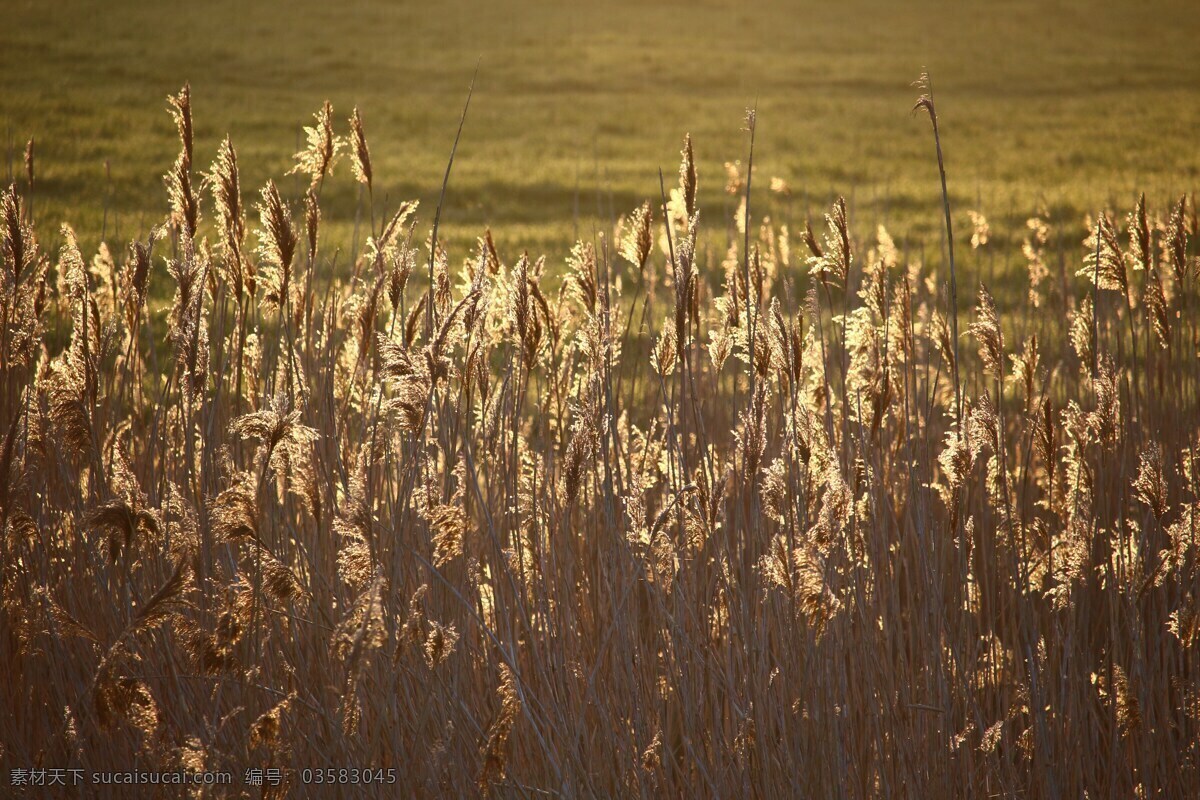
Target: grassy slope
(1064,103)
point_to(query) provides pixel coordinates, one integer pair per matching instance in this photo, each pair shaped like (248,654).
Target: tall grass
(673,524)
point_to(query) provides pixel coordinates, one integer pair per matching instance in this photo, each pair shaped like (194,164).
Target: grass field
(1058,103)
(672,512)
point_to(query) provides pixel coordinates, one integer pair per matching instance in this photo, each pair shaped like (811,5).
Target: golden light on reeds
(667,513)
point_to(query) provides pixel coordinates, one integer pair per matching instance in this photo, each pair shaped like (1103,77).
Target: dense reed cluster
(725,513)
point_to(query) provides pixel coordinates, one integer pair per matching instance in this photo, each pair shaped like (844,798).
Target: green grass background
(1068,104)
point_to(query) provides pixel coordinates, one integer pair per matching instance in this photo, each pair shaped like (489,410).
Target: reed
(678,513)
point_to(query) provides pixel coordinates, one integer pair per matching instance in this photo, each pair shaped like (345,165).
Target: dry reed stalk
(596,564)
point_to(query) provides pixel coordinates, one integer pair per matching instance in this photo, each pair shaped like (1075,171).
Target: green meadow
(1056,105)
